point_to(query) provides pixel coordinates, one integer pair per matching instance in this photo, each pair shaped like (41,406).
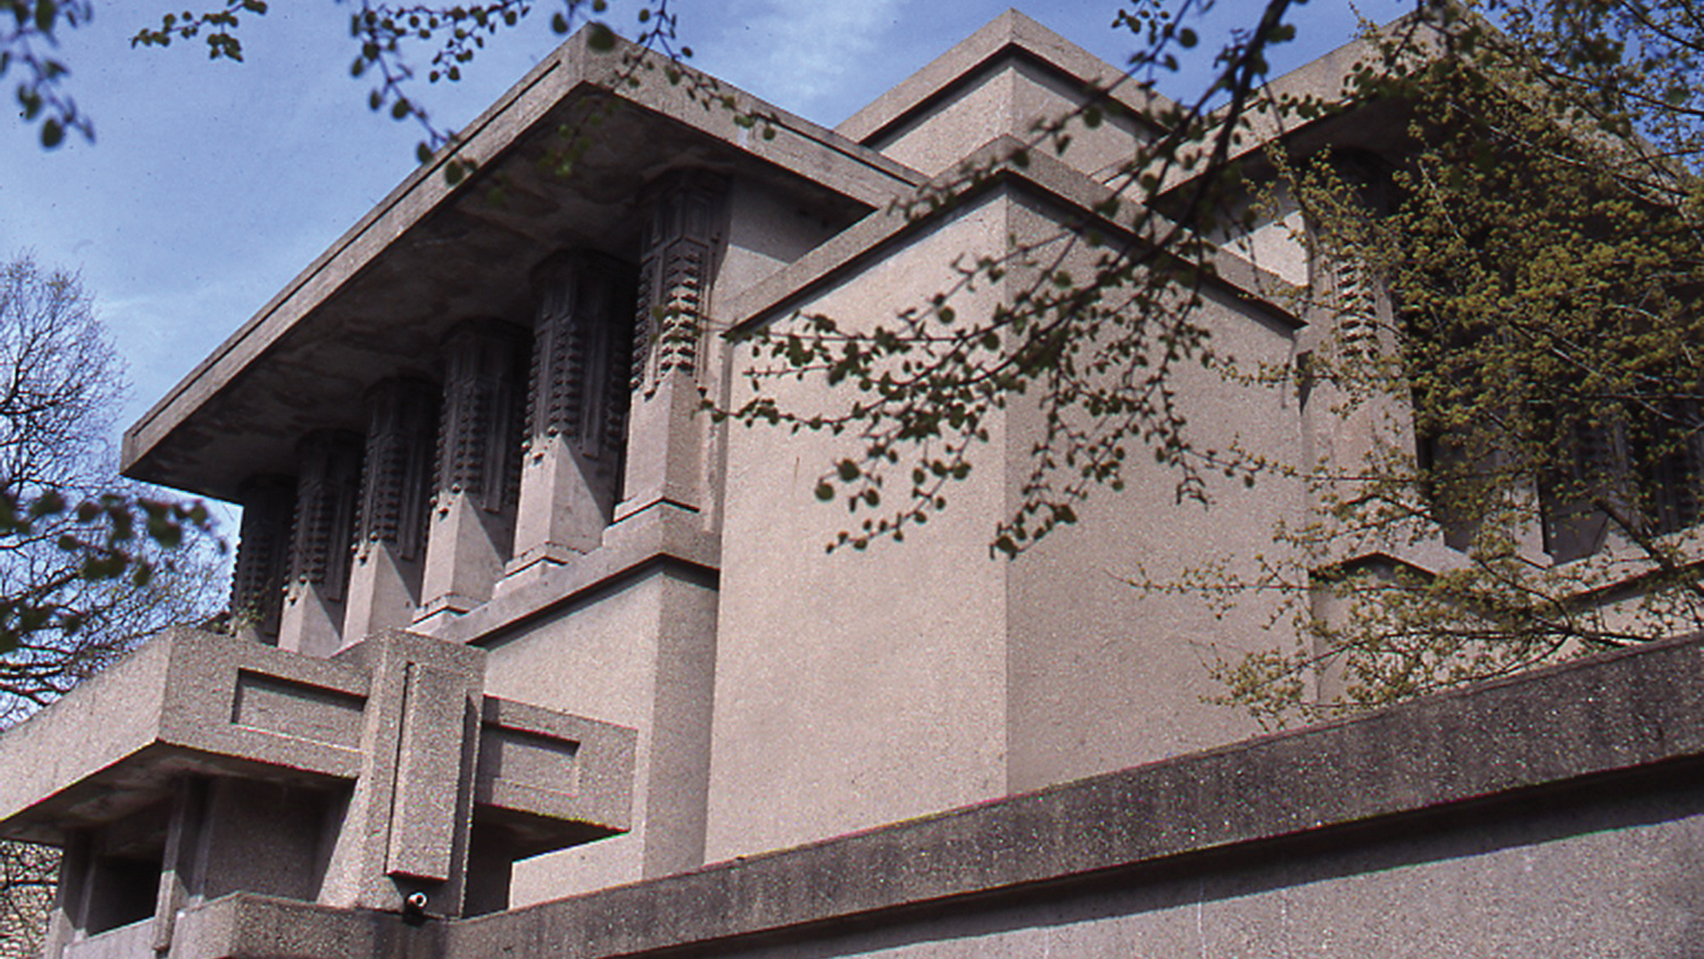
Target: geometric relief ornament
(402,426)
(684,226)
(479,431)
(581,336)
(263,552)
(223,765)
(326,495)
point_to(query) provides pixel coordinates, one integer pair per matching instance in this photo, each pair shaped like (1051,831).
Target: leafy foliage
(27,37)
(1533,374)
(1099,350)
(80,554)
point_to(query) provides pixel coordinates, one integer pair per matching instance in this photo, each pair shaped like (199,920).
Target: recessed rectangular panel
(290,708)
(529,759)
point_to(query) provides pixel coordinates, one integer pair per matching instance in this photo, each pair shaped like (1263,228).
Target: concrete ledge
(185,700)
(541,768)
(1631,719)
(1078,197)
(245,924)
(1010,33)
(668,537)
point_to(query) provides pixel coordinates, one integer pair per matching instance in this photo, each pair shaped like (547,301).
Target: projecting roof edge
(1009,32)
(1042,174)
(799,147)
(1324,79)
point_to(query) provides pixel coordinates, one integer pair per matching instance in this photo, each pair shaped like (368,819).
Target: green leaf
(600,38)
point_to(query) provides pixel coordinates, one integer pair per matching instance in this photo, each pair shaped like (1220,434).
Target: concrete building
(520,626)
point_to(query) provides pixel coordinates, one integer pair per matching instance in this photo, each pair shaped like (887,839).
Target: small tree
(89,565)
(1511,312)
(1533,367)
(80,551)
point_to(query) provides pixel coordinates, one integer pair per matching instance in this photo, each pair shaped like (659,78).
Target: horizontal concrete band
(1629,718)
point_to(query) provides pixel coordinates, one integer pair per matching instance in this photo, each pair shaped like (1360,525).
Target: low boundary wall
(1559,813)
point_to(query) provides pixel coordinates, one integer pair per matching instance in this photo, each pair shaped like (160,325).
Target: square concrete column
(407,825)
(312,620)
(263,555)
(686,226)
(396,483)
(577,406)
(70,896)
(471,529)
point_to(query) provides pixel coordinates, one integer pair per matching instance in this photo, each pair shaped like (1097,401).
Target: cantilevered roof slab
(380,300)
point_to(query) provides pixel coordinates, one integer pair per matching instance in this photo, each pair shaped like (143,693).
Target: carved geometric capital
(263,551)
(685,224)
(582,333)
(478,433)
(402,423)
(326,495)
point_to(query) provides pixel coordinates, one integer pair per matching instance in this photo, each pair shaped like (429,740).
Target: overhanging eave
(379,301)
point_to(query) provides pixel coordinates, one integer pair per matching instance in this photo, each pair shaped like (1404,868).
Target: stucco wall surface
(1106,668)
(636,654)
(864,687)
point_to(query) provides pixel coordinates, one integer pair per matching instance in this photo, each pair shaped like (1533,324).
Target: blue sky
(211,184)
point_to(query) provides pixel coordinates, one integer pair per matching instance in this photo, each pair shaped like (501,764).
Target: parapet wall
(1555,814)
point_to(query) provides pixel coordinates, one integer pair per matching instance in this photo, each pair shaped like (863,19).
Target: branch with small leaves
(105,539)
(216,27)
(1100,349)
(28,33)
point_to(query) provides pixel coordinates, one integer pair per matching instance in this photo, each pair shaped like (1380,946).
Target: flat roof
(378,302)
(1010,33)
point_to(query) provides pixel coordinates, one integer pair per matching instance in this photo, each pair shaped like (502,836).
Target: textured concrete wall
(637,654)
(933,674)
(863,687)
(1559,814)
(1102,674)
(1009,95)
(1588,882)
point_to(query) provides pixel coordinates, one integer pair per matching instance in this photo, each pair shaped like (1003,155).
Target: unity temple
(529,657)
